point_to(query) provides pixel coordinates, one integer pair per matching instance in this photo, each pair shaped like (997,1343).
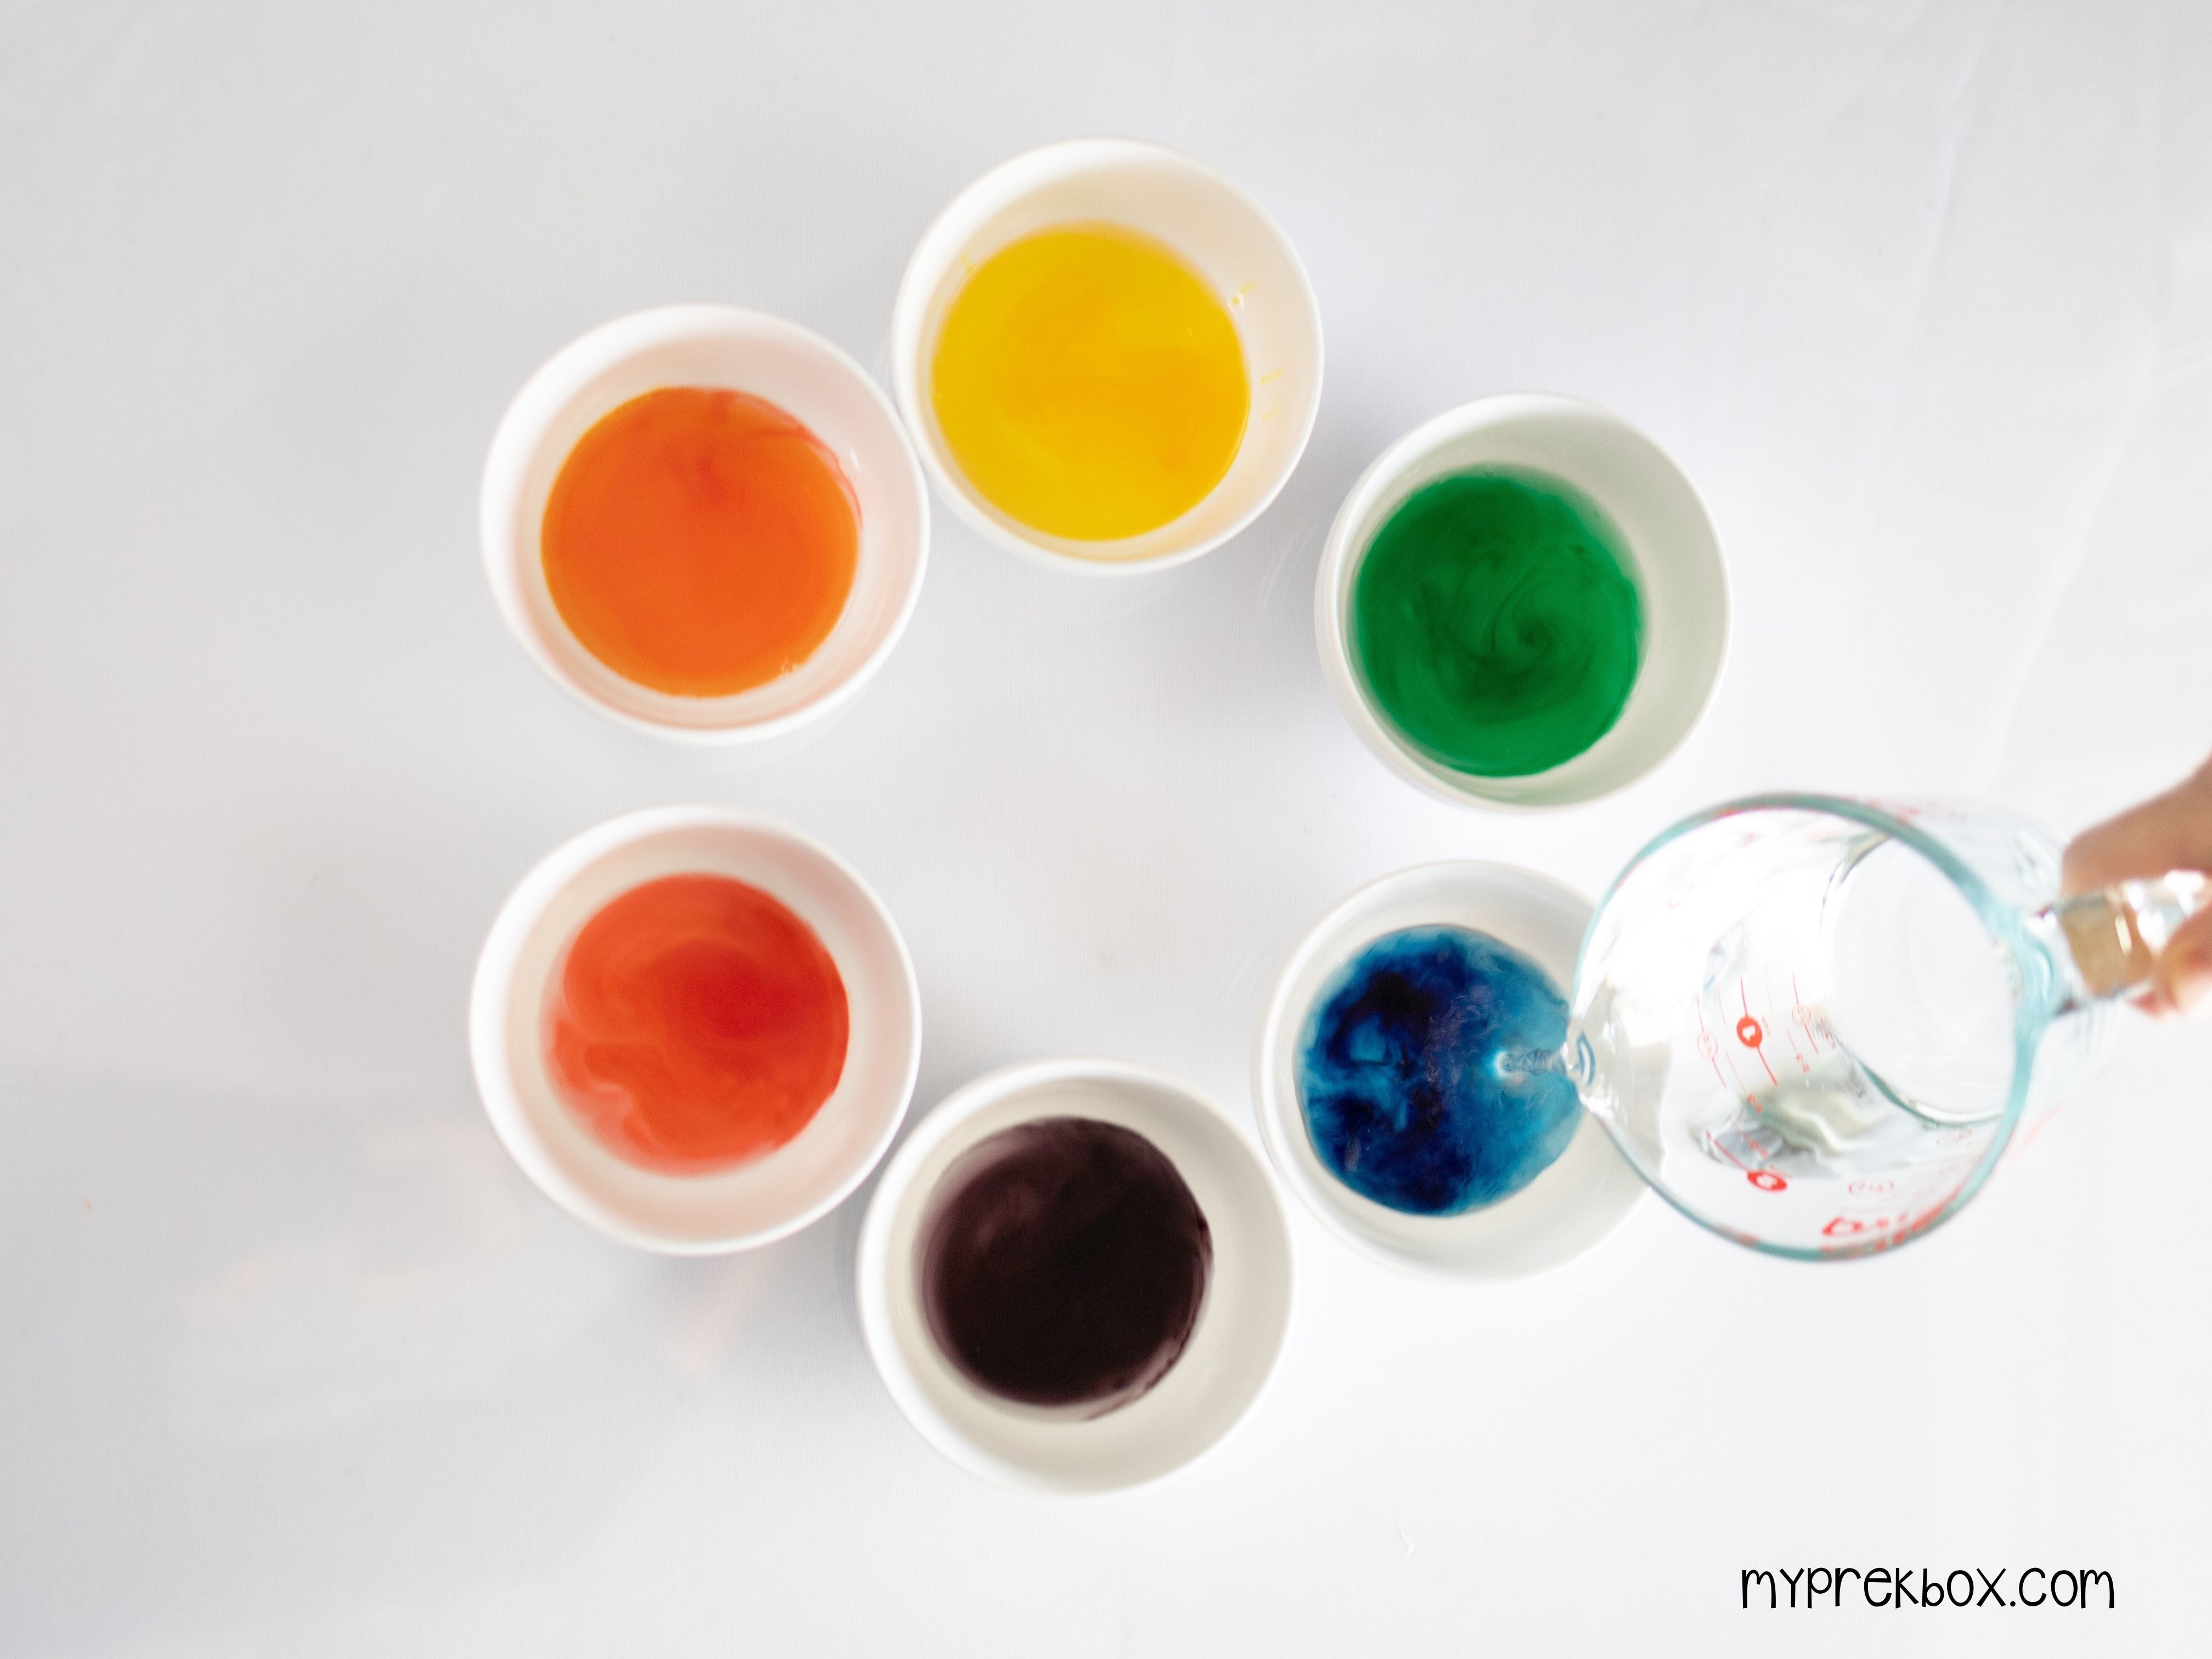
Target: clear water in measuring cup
(1815,1024)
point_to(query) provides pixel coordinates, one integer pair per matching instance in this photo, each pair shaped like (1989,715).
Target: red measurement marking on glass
(1804,1065)
(1708,1045)
(1804,1016)
(1750,1033)
(1765,1180)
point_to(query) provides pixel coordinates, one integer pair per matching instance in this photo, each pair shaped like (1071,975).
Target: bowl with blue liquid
(1408,1078)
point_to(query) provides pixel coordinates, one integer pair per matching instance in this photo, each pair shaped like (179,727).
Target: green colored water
(1495,621)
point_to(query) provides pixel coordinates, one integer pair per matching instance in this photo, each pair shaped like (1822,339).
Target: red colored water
(698,1024)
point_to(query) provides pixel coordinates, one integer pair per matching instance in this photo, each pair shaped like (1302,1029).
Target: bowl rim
(871,1264)
(1047,163)
(492,991)
(1275,1098)
(1340,564)
(521,437)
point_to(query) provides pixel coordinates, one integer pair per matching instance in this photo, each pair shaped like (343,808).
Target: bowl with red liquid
(704,522)
(695,1028)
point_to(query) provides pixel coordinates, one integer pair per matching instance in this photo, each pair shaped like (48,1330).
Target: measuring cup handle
(2113,935)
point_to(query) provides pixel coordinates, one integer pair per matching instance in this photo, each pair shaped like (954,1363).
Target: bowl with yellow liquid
(1109,355)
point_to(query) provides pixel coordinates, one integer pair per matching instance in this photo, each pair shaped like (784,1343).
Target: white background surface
(292,1360)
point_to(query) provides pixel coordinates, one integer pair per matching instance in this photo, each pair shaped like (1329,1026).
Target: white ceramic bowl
(1565,1211)
(1670,540)
(730,1209)
(1222,232)
(1240,1324)
(718,346)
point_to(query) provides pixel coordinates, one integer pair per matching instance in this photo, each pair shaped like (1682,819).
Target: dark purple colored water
(1063,1263)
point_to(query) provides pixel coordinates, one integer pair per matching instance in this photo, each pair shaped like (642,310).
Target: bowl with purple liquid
(1074,1276)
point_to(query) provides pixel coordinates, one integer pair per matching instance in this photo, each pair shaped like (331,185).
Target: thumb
(2184,969)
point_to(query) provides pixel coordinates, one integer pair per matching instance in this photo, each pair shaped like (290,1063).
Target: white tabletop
(294,1360)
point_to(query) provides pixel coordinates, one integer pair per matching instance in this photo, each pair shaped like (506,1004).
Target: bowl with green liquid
(1522,604)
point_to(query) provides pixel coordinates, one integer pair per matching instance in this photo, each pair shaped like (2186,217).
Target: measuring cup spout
(2111,937)
(1532,1062)
(1572,1059)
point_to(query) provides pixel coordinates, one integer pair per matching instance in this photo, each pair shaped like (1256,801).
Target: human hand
(2172,831)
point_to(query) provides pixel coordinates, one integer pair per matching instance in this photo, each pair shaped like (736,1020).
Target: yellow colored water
(1089,383)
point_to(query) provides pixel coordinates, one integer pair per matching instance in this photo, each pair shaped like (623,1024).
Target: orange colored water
(700,542)
(697,1023)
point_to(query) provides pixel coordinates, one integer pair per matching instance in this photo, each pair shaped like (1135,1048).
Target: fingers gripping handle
(2115,933)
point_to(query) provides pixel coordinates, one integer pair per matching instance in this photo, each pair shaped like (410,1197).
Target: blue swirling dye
(1398,1073)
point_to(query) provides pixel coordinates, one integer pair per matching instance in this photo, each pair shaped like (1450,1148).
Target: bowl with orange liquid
(705,522)
(695,1028)
(1109,355)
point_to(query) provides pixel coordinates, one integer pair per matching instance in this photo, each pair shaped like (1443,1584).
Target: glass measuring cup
(1815,1024)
